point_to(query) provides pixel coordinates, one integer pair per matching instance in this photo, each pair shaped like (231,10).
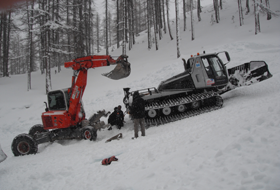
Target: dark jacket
(137,109)
(116,118)
(112,118)
(120,115)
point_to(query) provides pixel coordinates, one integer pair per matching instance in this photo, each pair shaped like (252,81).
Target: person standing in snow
(137,110)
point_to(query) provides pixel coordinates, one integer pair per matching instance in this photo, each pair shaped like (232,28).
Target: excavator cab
(57,100)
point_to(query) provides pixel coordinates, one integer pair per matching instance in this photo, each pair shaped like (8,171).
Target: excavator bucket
(249,73)
(122,70)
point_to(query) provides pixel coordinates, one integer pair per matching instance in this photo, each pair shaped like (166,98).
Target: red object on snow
(107,161)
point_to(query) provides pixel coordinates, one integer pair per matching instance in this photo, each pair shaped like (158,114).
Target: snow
(236,147)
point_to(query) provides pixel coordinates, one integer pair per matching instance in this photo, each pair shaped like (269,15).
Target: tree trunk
(163,16)
(240,12)
(184,15)
(130,30)
(257,18)
(68,30)
(97,33)
(47,50)
(118,25)
(1,31)
(5,59)
(106,27)
(149,24)
(81,34)
(216,8)
(155,25)
(192,20)
(124,28)
(168,21)
(268,6)
(177,28)
(247,6)
(30,41)
(199,10)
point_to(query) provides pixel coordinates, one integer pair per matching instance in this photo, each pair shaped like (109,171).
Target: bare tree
(192,19)
(118,23)
(177,28)
(257,18)
(216,8)
(240,10)
(168,21)
(97,33)
(198,10)
(5,30)
(184,15)
(155,25)
(149,23)
(124,28)
(247,6)
(30,63)
(106,27)
(268,6)
(163,16)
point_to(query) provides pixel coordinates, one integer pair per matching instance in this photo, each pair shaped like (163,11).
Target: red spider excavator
(65,117)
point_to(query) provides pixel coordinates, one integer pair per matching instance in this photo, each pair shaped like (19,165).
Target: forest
(43,34)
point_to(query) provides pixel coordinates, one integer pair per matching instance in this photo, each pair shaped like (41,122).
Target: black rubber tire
(24,144)
(39,128)
(89,133)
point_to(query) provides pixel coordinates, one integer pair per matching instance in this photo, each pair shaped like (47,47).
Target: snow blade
(122,70)
(3,156)
(249,73)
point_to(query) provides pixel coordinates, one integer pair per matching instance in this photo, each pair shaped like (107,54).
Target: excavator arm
(79,79)
(97,61)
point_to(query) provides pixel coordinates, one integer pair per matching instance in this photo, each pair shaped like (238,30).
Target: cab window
(217,66)
(56,100)
(213,67)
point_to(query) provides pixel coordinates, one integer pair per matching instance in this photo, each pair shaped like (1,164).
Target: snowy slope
(236,147)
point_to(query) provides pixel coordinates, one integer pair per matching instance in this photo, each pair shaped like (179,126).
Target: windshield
(56,100)
(213,66)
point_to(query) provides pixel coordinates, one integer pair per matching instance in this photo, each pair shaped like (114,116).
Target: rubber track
(183,100)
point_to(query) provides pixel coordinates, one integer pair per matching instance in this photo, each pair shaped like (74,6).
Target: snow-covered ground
(233,148)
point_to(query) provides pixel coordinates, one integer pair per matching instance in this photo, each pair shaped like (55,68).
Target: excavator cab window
(56,100)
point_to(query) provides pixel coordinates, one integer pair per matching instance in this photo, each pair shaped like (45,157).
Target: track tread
(178,101)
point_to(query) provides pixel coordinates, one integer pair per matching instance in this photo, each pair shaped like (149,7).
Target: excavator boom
(79,79)
(121,70)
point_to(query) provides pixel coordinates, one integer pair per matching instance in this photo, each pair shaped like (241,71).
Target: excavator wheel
(24,144)
(39,128)
(89,133)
